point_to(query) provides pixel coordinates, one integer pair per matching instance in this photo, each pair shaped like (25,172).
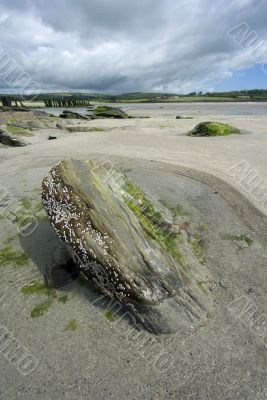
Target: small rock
(72,115)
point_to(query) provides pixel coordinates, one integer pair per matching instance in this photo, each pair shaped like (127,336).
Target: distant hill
(140,97)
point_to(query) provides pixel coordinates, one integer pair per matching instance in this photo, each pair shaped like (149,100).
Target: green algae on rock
(8,139)
(120,241)
(107,112)
(213,129)
(243,241)
(18,130)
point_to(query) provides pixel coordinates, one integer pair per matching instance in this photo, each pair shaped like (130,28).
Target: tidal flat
(92,351)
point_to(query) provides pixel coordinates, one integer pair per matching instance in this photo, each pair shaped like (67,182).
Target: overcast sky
(132,45)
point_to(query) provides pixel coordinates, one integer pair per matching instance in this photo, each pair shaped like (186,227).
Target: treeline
(252,94)
(139,97)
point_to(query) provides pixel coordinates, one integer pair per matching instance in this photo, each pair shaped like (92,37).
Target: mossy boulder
(19,129)
(213,129)
(9,139)
(108,112)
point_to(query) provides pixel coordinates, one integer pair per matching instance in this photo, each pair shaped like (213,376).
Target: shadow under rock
(50,255)
(55,263)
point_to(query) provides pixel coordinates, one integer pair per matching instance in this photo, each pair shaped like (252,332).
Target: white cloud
(117,45)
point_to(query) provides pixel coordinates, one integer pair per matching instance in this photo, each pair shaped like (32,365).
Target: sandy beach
(78,353)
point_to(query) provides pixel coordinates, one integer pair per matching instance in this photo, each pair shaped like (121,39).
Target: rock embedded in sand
(10,140)
(107,112)
(213,129)
(117,240)
(66,114)
(183,117)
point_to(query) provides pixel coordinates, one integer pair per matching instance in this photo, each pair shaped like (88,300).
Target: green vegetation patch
(71,326)
(202,286)
(151,220)
(35,287)
(183,117)
(39,207)
(199,246)
(85,129)
(108,112)
(28,213)
(39,288)
(110,316)
(10,239)
(18,131)
(202,227)
(242,238)
(101,109)
(139,97)
(12,120)
(24,219)
(213,129)
(42,308)
(8,256)
(25,203)
(96,129)
(63,299)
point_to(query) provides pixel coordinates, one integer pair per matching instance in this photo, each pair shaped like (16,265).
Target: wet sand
(221,357)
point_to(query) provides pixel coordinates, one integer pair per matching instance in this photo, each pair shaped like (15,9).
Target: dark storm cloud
(122,45)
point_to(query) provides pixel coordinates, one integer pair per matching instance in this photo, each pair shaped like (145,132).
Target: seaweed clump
(213,129)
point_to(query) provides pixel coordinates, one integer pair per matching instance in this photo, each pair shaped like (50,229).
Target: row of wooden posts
(66,103)
(11,102)
(8,101)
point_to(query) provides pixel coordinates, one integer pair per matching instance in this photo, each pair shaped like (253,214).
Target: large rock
(107,112)
(213,129)
(16,109)
(122,243)
(10,140)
